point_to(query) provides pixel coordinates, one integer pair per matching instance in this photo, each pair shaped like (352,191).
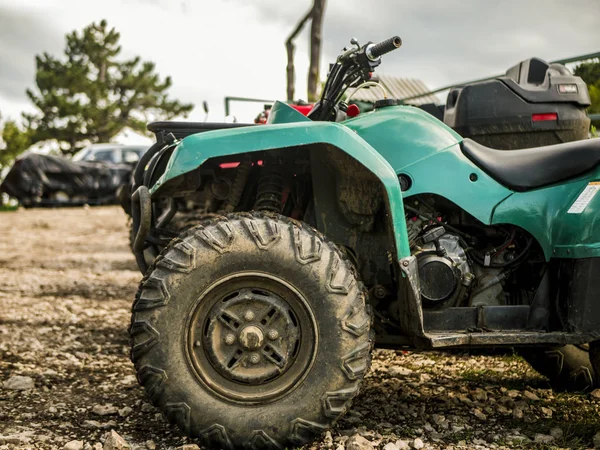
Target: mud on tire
(568,368)
(251,331)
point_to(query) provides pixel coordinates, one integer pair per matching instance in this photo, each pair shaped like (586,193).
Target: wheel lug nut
(249,315)
(273,334)
(254,358)
(230,339)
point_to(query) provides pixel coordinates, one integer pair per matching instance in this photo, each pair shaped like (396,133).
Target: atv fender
(196,149)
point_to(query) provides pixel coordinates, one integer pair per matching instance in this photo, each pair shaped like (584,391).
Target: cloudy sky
(214,48)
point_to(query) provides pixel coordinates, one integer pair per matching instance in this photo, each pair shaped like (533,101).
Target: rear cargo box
(534,104)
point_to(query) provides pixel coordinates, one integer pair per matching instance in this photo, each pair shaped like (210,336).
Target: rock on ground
(125,411)
(402,445)
(357,442)
(418,444)
(16,438)
(543,438)
(73,445)
(105,410)
(19,383)
(115,442)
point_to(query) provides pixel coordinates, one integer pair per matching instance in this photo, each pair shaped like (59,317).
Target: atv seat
(530,168)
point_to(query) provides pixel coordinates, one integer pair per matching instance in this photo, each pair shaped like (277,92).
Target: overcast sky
(236,47)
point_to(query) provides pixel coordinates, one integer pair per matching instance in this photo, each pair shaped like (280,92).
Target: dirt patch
(67,279)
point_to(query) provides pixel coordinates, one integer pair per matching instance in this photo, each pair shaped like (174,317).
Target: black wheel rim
(251,338)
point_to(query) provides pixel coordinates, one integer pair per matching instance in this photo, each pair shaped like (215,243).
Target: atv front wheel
(568,368)
(251,331)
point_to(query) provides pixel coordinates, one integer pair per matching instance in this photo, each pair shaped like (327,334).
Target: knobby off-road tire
(180,223)
(251,331)
(568,368)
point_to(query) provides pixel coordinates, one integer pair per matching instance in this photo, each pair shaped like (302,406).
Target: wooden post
(290,48)
(315,49)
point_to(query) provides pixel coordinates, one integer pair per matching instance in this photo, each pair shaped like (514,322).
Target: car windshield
(103,155)
(81,154)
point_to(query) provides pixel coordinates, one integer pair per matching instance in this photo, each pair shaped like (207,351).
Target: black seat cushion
(530,168)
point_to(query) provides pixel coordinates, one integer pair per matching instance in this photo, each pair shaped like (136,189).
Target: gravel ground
(66,282)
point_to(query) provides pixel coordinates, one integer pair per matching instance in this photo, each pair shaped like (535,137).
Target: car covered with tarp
(94,175)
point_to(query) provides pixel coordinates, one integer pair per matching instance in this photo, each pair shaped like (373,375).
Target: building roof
(397,88)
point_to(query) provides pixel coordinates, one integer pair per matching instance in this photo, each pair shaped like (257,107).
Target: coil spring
(270,188)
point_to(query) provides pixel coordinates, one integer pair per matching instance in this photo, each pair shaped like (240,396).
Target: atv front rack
(183,129)
(144,174)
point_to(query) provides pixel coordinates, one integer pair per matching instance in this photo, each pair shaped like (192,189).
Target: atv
(277,256)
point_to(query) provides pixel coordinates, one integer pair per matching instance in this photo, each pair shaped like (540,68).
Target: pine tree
(589,71)
(91,95)
(13,142)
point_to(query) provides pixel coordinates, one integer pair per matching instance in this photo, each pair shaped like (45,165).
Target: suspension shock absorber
(241,176)
(270,187)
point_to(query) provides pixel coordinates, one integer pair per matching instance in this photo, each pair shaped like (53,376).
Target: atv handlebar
(374,51)
(352,68)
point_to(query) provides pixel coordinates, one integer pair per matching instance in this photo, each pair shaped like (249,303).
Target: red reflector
(233,165)
(353,110)
(542,117)
(229,165)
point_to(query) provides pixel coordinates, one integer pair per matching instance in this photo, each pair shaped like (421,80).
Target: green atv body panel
(289,128)
(405,140)
(421,147)
(544,213)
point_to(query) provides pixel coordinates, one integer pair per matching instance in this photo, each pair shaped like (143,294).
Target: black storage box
(534,104)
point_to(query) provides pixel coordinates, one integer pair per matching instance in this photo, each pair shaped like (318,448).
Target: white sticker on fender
(584,198)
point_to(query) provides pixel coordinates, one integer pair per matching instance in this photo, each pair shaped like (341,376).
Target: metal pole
(559,61)
(577,58)
(228,100)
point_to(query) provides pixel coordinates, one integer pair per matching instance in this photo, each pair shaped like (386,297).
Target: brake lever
(344,56)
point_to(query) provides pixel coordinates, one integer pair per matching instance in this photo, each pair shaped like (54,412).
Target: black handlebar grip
(375,51)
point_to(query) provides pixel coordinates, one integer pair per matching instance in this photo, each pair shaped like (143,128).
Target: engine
(458,269)
(444,271)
